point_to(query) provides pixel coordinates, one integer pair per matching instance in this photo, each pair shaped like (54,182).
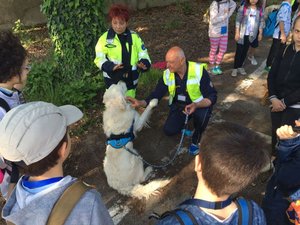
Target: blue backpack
(271,22)
(185,217)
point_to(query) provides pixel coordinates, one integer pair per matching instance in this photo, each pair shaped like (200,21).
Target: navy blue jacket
(206,87)
(284,182)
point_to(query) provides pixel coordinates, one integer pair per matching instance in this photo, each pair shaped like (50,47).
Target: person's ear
(198,164)
(182,60)
(63,152)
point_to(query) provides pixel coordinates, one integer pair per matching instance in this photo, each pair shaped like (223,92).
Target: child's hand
(283,38)
(277,105)
(237,36)
(285,132)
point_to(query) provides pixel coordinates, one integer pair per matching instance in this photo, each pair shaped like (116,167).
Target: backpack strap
(245,211)
(67,201)
(183,216)
(4,105)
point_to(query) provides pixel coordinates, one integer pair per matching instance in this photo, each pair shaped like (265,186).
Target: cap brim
(71,113)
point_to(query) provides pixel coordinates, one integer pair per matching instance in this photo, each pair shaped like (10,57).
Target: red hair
(119,11)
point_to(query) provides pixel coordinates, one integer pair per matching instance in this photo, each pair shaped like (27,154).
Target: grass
(148,81)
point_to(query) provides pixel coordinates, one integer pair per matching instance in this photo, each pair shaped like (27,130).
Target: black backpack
(4,105)
(185,217)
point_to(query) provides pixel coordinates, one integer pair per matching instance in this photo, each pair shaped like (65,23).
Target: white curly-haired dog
(124,170)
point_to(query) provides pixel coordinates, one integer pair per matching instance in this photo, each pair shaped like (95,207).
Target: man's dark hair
(231,157)
(42,166)
(12,56)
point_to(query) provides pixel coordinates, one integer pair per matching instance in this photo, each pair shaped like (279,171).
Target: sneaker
(242,71)
(234,73)
(194,149)
(252,60)
(218,70)
(268,68)
(214,71)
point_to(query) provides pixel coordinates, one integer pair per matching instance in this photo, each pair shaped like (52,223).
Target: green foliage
(68,76)
(47,84)
(74,27)
(19,30)
(148,81)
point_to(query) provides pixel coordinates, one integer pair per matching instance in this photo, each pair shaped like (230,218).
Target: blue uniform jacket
(206,87)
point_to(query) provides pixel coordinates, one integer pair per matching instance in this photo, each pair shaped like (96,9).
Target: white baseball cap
(31,131)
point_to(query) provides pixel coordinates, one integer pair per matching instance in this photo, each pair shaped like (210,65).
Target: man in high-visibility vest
(190,92)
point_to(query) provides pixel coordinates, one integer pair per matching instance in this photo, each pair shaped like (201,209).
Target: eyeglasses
(28,67)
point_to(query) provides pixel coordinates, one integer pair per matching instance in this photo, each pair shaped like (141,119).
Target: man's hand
(118,67)
(277,105)
(136,103)
(286,132)
(189,109)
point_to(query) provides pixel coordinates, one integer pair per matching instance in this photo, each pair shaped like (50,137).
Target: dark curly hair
(12,56)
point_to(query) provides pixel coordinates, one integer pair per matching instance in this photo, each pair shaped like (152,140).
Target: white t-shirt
(251,22)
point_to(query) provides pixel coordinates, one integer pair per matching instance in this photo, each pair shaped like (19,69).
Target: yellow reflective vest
(111,49)
(194,75)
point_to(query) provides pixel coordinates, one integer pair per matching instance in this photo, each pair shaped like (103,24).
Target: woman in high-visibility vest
(120,52)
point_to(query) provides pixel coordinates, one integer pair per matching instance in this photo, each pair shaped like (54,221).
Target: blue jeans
(175,121)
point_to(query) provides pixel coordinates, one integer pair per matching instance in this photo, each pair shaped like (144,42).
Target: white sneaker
(241,71)
(234,73)
(252,60)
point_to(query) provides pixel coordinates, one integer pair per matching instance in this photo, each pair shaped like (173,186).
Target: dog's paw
(153,102)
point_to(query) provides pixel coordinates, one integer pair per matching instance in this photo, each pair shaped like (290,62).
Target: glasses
(28,67)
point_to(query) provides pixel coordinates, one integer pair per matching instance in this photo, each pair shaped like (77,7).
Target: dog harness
(120,140)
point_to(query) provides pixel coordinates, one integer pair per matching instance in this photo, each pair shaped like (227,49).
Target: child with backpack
(224,166)
(248,32)
(220,12)
(281,31)
(283,189)
(35,136)
(14,69)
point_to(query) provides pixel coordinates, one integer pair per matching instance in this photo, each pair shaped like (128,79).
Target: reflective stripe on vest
(195,72)
(114,53)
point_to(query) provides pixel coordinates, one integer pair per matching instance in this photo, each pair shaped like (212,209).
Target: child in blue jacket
(285,182)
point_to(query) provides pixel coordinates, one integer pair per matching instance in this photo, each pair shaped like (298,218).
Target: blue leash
(184,132)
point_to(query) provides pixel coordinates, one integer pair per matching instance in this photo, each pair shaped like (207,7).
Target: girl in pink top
(220,12)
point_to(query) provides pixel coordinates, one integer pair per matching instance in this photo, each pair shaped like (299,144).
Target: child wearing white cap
(35,137)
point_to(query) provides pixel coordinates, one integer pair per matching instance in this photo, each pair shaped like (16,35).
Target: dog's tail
(152,188)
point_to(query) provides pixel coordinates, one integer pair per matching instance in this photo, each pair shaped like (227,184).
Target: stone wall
(142,4)
(28,11)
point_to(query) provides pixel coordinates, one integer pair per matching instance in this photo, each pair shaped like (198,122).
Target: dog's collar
(120,140)
(118,143)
